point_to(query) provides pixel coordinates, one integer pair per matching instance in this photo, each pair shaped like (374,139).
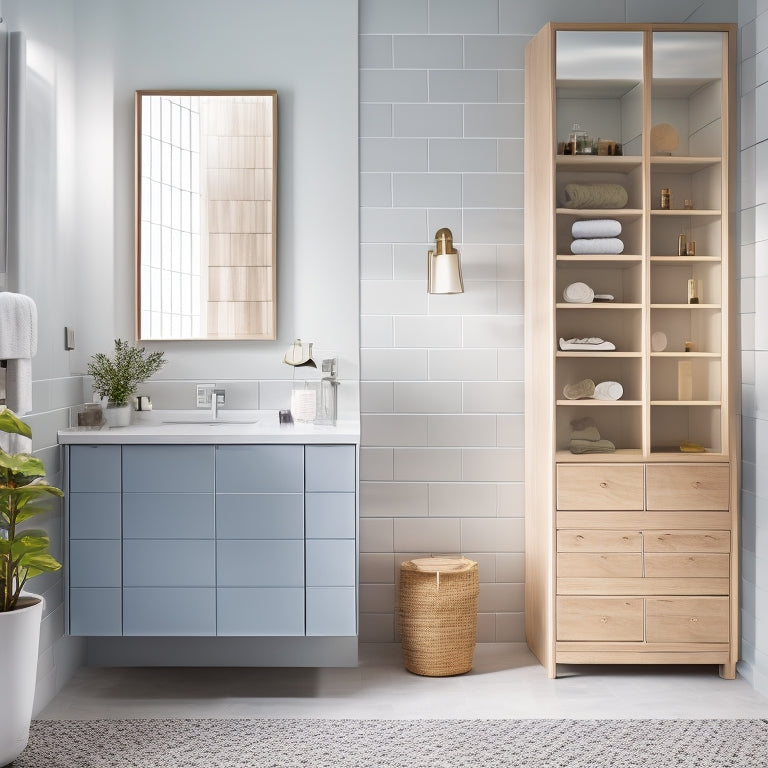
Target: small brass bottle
(681,244)
(665,198)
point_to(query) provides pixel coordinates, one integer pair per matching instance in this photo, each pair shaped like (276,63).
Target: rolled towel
(597,245)
(608,390)
(594,196)
(591,446)
(596,228)
(578,293)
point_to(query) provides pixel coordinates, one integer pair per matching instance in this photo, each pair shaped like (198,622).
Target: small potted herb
(117,377)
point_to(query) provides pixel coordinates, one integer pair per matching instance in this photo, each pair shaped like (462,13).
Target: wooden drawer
(594,565)
(699,564)
(600,486)
(599,541)
(686,486)
(687,541)
(599,618)
(687,619)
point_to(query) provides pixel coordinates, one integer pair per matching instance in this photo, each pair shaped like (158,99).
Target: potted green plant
(116,378)
(23,554)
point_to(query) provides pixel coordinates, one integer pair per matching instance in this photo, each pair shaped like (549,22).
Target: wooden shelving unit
(594,599)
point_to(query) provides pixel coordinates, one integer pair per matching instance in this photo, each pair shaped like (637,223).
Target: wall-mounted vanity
(235,543)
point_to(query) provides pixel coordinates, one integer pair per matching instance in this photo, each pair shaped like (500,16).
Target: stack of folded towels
(596,236)
(586,439)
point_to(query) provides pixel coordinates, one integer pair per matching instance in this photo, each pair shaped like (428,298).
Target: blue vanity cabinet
(169,556)
(260,539)
(331,535)
(94,523)
(202,540)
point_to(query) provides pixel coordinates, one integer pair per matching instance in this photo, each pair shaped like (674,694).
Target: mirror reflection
(206,213)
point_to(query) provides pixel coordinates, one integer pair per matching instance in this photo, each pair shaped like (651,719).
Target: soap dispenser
(327,406)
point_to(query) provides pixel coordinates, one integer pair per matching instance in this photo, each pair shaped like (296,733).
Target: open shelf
(598,163)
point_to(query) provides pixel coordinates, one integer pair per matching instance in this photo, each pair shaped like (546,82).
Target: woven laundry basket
(438,615)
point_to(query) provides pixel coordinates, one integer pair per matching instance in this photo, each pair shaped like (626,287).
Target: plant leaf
(22,464)
(30,541)
(39,562)
(12,424)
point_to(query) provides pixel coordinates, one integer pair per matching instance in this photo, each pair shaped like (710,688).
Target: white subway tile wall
(441,127)
(753,273)
(441,115)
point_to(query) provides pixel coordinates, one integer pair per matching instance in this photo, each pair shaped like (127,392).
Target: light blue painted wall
(42,264)
(305,50)
(85,60)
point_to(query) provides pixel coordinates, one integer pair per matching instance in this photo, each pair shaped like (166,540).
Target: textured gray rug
(396,744)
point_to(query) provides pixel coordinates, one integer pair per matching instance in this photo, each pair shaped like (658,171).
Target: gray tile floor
(505,682)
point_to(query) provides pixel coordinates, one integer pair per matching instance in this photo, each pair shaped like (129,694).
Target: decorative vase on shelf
(117,415)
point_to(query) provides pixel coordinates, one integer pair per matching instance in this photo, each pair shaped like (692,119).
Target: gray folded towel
(596,228)
(589,433)
(594,196)
(591,446)
(597,245)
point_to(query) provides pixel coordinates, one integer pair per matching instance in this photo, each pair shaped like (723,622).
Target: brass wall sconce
(443,266)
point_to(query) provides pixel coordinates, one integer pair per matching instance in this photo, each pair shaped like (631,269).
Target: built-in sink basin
(224,418)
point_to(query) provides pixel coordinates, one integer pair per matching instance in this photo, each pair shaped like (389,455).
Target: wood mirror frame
(206,214)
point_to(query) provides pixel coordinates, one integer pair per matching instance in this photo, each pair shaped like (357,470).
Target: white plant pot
(19,640)
(118,415)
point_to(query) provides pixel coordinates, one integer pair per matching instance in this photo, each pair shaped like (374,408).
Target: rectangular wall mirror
(206,212)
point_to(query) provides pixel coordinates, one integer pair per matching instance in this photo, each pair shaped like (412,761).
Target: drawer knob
(603,619)
(603,484)
(693,619)
(697,484)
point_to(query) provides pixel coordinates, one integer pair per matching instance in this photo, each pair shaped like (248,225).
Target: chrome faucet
(217,399)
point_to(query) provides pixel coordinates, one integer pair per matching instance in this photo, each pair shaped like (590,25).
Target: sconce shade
(443,265)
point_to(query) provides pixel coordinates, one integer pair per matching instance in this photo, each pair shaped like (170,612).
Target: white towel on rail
(18,344)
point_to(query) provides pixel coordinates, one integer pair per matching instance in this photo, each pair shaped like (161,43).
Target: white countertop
(246,427)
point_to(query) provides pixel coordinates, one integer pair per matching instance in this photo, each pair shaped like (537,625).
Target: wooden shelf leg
(728,671)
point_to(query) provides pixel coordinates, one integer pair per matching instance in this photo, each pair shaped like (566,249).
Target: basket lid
(441,564)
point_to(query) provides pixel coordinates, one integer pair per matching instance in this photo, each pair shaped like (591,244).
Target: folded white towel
(578,293)
(587,344)
(597,245)
(18,326)
(596,228)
